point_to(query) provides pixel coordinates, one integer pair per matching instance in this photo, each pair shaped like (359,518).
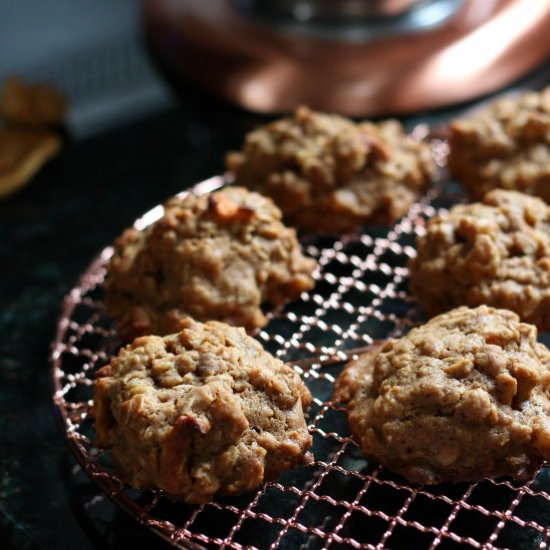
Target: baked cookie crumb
(496,252)
(506,145)
(463,397)
(329,174)
(217,256)
(201,413)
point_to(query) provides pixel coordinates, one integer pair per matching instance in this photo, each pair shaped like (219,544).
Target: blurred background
(131,140)
(89,49)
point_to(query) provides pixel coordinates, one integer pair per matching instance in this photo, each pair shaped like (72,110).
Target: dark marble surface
(49,232)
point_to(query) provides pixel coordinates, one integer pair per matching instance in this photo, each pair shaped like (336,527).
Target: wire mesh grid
(340,500)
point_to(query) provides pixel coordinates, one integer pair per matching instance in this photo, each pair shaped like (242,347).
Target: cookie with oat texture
(496,252)
(201,413)
(463,397)
(328,173)
(218,256)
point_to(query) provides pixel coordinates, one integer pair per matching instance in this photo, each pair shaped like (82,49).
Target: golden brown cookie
(327,173)
(217,256)
(505,145)
(496,252)
(203,412)
(463,397)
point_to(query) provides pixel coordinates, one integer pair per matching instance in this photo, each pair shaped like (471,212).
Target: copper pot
(362,66)
(331,9)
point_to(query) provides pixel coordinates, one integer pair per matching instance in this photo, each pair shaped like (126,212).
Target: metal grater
(107,84)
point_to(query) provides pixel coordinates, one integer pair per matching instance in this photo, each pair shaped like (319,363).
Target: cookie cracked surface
(505,145)
(327,173)
(203,412)
(496,252)
(460,398)
(217,256)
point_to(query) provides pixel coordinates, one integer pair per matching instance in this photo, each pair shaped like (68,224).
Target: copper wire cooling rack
(340,500)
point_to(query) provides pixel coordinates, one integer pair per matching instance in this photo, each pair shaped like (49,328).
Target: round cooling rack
(339,501)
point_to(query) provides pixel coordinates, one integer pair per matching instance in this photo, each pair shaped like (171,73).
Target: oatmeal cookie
(203,412)
(217,256)
(327,173)
(461,398)
(506,145)
(496,252)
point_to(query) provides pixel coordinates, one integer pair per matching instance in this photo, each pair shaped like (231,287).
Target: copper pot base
(267,69)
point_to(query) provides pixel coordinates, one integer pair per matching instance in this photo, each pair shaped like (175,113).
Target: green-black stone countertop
(49,233)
